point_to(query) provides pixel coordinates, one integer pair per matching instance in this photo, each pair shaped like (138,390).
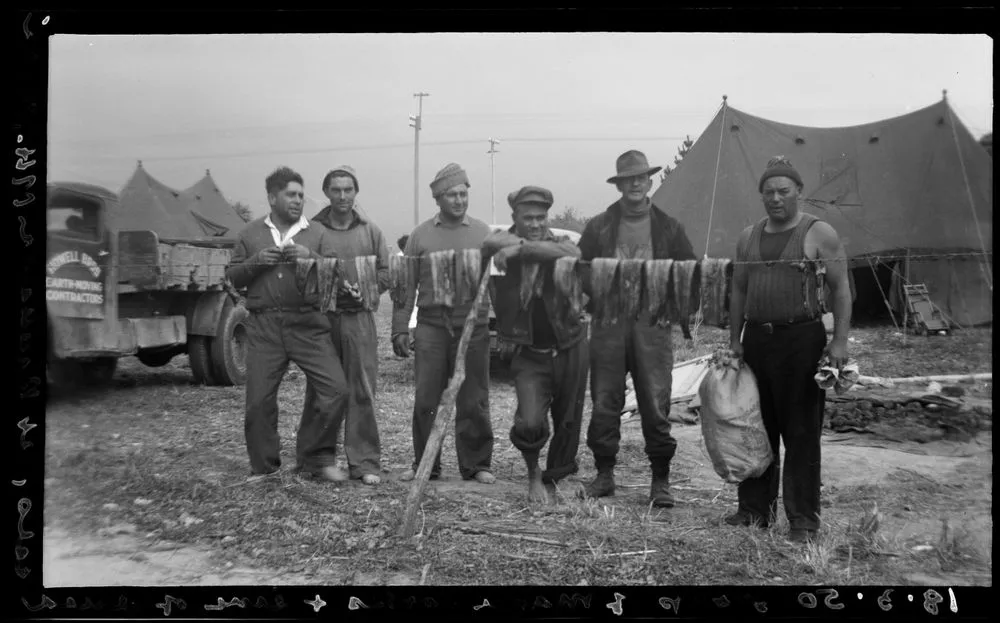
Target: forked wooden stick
(445,413)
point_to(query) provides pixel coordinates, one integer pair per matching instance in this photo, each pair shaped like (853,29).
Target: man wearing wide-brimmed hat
(633,227)
(551,363)
(353,327)
(438,331)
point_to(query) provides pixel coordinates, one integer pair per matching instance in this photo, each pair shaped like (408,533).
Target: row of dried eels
(454,276)
(666,290)
(323,278)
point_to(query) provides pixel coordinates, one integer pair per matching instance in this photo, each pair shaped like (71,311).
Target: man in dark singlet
(777,295)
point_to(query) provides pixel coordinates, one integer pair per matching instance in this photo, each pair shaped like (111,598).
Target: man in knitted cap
(777,328)
(632,227)
(552,358)
(352,326)
(438,331)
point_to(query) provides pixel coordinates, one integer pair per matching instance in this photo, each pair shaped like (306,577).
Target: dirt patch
(148,482)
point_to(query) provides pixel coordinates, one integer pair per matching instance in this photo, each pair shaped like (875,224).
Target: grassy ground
(168,457)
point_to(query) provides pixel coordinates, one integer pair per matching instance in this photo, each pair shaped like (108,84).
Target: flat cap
(530,194)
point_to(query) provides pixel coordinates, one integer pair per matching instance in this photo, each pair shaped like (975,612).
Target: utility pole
(493,207)
(415,123)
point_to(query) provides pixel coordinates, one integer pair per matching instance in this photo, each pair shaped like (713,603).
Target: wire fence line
(877,258)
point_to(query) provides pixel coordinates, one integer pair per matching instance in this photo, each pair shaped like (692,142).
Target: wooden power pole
(415,123)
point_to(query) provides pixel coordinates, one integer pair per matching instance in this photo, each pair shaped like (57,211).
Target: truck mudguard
(203,317)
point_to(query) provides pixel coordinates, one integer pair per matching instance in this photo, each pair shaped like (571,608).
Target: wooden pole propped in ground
(445,413)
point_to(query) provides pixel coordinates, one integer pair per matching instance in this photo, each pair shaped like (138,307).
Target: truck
(113,293)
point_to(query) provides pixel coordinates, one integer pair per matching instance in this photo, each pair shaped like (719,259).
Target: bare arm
(737,298)
(830,251)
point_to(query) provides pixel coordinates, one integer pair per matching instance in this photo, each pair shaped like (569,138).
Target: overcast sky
(563,105)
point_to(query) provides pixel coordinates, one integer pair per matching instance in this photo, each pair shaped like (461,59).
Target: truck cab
(111,294)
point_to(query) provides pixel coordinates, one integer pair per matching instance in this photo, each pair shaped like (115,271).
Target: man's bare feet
(371,479)
(537,494)
(485,477)
(332,473)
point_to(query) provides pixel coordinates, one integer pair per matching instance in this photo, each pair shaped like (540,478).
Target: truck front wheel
(229,346)
(200,358)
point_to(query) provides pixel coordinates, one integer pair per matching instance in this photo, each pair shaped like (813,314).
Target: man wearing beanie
(438,331)
(352,326)
(551,361)
(633,227)
(777,329)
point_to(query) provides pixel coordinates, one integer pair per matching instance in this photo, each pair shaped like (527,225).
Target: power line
(323,150)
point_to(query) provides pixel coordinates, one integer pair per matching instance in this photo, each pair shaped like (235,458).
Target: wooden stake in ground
(445,413)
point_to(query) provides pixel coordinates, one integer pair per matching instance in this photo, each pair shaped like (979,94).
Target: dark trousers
(791,404)
(647,353)
(544,382)
(434,365)
(274,339)
(356,342)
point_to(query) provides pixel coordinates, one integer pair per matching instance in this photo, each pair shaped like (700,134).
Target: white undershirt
(287,239)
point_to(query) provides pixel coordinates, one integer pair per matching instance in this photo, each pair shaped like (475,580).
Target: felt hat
(630,164)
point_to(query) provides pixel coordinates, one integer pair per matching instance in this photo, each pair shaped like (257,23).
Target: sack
(731,422)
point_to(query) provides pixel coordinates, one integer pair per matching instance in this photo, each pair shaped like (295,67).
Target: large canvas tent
(898,191)
(197,214)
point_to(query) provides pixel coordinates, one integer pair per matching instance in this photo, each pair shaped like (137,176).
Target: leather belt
(551,352)
(771,327)
(288,310)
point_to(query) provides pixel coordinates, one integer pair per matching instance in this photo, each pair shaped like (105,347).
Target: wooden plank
(444,416)
(139,258)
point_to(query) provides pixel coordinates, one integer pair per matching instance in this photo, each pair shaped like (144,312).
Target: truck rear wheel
(200,357)
(229,346)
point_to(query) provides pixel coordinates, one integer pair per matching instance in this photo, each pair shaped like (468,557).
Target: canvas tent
(197,214)
(900,189)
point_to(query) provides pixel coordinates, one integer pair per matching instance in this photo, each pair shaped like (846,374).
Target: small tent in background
(897,191)
(198,214)
(216,216)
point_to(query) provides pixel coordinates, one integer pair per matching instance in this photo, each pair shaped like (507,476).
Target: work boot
(603,485)
(659,491)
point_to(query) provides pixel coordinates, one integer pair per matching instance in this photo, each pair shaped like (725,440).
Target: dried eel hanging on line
(443,277)
(398,279)
(630,289)
(468,268)
(367,269)
(327,278)
(529,277)
(304,269)
(684,292)
(658,294)
(603,273)
(713,291)
(569,289)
